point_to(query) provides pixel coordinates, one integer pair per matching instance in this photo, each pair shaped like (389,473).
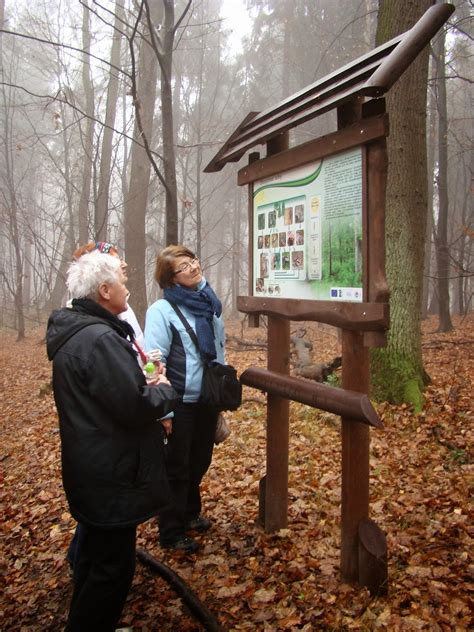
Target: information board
(308,231)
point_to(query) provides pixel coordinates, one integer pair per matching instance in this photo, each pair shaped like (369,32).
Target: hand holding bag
(220,387)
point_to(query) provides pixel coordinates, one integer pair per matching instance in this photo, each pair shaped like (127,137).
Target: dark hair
(164,270)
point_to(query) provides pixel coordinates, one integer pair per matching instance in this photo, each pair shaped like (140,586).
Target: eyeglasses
(187,266)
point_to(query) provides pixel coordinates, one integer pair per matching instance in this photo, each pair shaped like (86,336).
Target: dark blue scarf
(202,304)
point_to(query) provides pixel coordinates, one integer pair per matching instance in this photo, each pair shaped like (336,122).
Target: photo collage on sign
(307,231)
(280,244)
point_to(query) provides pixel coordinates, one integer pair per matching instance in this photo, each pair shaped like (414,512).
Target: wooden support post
(274,501)
(349,112)
(253,319)
(278,143)
(355,456)
(262,490)
(376,282)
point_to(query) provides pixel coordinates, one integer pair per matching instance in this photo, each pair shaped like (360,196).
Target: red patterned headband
(104,247)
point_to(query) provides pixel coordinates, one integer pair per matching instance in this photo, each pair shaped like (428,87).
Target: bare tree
(102,202)
(88,137)
(441,232)
(136,203)
(163,37)
(11,212)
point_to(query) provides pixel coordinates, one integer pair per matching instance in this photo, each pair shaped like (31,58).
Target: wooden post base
(373,571)
(261,500)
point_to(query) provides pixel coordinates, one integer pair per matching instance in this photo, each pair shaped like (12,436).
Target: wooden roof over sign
(371,75)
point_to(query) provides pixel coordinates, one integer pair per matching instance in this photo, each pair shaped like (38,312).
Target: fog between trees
(110,111)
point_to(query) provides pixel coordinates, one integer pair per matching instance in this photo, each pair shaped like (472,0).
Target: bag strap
(140,351)
(187,326)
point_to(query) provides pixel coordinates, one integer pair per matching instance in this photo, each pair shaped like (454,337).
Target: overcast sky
(236,18)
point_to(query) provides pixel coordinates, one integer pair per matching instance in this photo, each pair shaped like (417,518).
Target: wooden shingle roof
(371,75)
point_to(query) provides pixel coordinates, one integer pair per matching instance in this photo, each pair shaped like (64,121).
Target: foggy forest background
(111,110)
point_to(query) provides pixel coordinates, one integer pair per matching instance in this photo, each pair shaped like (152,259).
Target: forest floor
(421,472)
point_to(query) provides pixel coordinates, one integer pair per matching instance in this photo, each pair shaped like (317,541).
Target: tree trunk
(2,25)
(102,204)
(198,125)
(126,160)
(136,202)
(287,54)
(397,371)
(169,159)
(463,277)
(441,241)
(59,287)
(9,205)
(88,138)
(427,284)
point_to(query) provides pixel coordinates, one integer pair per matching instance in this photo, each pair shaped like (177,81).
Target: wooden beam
(411,45)
(216,162)
(370,75)
(351,316)
(289,121)
(339,401)
(364,131)
(320,85)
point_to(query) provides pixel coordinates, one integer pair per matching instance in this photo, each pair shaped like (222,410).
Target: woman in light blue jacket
(189,302)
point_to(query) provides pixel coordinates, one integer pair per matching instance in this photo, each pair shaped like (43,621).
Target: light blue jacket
(165,331)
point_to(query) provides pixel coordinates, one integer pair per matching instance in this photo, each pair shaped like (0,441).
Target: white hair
(89,272)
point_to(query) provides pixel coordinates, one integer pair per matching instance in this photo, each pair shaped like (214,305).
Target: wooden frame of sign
(362,324)
(355,91)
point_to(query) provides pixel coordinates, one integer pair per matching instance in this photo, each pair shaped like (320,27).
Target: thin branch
(65,46)
(185,10)
(204,144)
(57,98)
(155,42)
(99,17)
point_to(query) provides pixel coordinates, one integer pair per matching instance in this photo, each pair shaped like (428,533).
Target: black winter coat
(111,442)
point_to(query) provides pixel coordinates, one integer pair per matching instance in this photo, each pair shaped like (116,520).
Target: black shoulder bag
(220,387)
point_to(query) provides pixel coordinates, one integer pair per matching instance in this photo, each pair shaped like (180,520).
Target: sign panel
(308,231)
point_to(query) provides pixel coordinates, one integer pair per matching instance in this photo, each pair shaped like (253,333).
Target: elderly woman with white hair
(111,440)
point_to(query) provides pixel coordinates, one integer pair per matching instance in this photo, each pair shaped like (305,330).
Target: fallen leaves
(420,486)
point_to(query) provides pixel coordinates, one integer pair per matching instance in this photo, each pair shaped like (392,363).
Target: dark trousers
(74,546)
(103,573)
(189,455)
